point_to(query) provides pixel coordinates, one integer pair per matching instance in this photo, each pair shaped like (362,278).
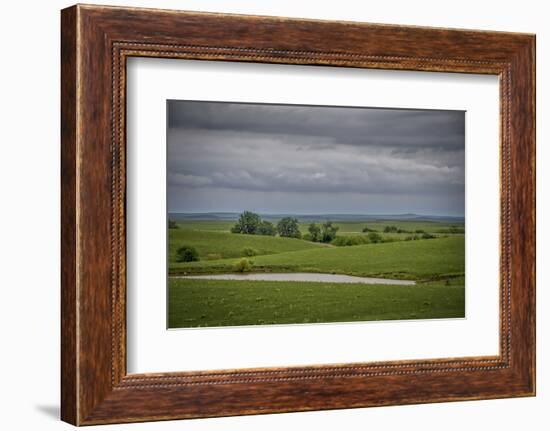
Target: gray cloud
(303,150)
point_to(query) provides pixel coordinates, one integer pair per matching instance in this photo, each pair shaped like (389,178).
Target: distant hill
(223,216)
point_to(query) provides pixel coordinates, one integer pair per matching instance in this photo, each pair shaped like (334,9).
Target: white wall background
(29,215)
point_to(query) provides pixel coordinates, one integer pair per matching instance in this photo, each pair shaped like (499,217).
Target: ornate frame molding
(96,41)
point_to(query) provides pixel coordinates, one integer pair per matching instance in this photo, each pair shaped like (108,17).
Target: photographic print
(295,214)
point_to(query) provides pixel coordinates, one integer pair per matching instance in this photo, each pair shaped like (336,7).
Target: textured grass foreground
(203,303)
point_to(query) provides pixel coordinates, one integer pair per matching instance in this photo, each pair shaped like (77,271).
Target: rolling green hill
(221,245)
(436,264)
(416,260)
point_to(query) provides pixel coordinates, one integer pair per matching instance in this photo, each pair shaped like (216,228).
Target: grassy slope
(229,245)
(207,225)
(423,259)
(195,303)
(355,228)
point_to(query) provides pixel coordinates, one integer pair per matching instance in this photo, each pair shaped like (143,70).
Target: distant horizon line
(320,213)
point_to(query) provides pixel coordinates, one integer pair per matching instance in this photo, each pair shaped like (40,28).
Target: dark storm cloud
(291,150)
(355,126)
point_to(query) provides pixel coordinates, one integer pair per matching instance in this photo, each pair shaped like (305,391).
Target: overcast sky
(312,159)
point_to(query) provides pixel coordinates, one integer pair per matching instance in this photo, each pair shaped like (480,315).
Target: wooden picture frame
(95,43)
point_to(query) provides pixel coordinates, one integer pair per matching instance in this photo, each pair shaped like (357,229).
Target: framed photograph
(286,198)
(264,214)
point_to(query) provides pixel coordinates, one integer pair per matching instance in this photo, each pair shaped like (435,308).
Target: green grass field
(411,260)
(437,265)
(230,303)
(228,245)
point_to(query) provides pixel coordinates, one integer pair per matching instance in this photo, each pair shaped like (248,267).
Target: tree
(314,232)
(266,228)
(249,252)
(328,231)
(288,227)
(375,237)
(243,265)
(187,254)
(248,223)
(172,224)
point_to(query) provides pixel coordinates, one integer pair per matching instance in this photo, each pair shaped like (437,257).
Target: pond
(301,276)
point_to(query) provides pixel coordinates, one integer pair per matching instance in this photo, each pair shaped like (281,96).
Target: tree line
(288,227)
(252,224)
